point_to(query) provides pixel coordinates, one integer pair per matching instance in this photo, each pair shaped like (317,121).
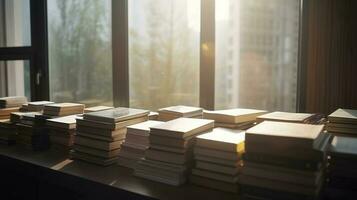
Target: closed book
(215,175)
(181,111)
(215,167)
(347,116)
(286,117)
(343,148)
(98,144)
(170,157)
(171,141)
(115,115)
(214,184)
(116,137)
(5,112)
(96,108)
(237,115)
(169,148)
(59,107)
(295,135)
(182,127)
(93,159)
(222,139)
(111,126)
(37,105)
(68,122)
(165,166)
(217,154)
(14,101)
(96,152)
(142,128)
(216,160)
(100,132)
(240,126)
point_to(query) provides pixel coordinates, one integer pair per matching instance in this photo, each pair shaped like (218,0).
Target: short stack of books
(63,109)
(342,122)
(35,106)
(136,143)
(7,132)
(342,174)
(99,135)
(238,118)
(174,112)
(169,158)
(153,115)
(62,130)
(306,118)
(218,159)
(284,161)
(9,105)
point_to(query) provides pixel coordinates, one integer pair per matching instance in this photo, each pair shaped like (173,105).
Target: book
(215,176)
(67,122)
(217,153)
(286,117)
(181,111)
(93,159)
(182,127)
(36,106)
(347,116)
(75,108)
(240,126)
(169,148)
(115,115)
(213,167)
(173,142)
(96,108)
(110,126)
(5,112)
(169,157)
(112,138)
(14,101)
(142,128)
(214,184)
(295,135)
(15,117)
(220,161)
(97,144)
(234,116)
(100,132)
(96,152)
(222,139)
(345,147)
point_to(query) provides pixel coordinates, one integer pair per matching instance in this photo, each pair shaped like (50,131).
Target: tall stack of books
(26,135)
(62,130)
(218,159)
(99,135)
(136,143)
(238,118)
(284,161)
(170,155)
(174,112)
(306,118)
(342,177)
(343,122)
(9,105)
(63,109)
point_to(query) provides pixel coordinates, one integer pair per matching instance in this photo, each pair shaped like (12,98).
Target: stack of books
(284,161)
(62,130)
(218,159)
(342,177)
(27,135)
(170,155)
(99,135)
(9,105)
(35,106)
(7,132)
(153,115)
(343,122)
(136,143)
(63,109)
(174,112)
(238,118)
(306,118)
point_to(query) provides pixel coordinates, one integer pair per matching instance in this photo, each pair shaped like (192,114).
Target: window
(164,44)
(265,45)
(80,60)
(15,78)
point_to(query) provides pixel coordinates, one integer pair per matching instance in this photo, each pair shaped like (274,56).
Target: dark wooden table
(51,175)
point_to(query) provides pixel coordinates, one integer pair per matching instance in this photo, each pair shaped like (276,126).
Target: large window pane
(15,23)
(79,33)
(15,78)
(256,54)
(164,52)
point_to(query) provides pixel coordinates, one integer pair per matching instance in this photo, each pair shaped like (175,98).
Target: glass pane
(15,28)
(15,78)
(256,54)
(164,47)
(79,34)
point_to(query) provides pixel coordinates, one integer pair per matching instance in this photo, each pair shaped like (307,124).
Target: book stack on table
(99,135)
(174,112)
(284,161)
(343,122)
(238,118)
(342,174)
(35,106)
(7,132)
(136,143)
(218,159)
(170,155)
(9,105)
(27,134)
(305,118)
